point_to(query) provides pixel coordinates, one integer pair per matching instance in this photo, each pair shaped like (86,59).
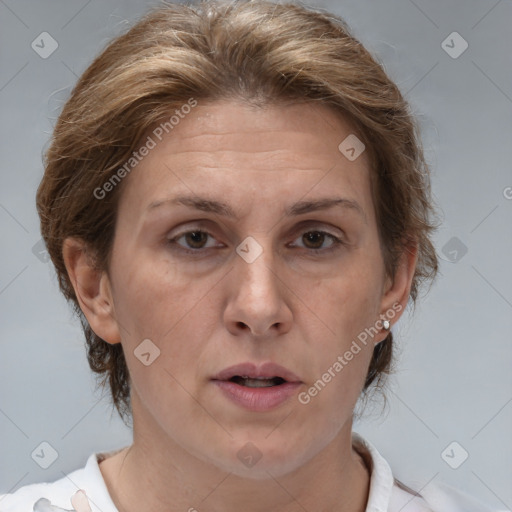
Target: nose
(257,304)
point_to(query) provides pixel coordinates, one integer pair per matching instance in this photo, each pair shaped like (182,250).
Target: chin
(264,458)
(265,468)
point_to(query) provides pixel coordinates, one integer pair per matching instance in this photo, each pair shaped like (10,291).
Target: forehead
(301,127)
(226,148)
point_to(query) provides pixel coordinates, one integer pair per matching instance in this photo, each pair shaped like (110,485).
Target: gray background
(453,382)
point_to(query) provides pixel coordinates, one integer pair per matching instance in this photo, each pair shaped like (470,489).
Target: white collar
(381,479)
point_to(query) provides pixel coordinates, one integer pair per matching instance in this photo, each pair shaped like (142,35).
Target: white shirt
(386,494)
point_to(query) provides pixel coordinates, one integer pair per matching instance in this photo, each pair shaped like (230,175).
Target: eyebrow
(299,208)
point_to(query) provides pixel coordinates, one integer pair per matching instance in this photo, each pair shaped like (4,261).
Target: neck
(162,477)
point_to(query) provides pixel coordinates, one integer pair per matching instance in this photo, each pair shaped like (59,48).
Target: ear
(396,291)
(93,290)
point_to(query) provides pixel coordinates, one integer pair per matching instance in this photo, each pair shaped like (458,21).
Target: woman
(236,203)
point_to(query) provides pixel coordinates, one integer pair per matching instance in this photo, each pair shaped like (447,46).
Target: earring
(386,325)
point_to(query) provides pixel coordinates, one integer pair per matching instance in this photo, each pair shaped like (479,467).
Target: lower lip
(258,399)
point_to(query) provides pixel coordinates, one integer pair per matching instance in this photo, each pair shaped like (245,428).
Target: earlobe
(396,292)
(92,289)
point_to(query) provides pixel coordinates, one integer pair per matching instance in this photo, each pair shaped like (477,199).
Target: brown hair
(256,52)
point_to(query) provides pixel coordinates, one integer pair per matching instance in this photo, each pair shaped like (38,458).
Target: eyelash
(336,242)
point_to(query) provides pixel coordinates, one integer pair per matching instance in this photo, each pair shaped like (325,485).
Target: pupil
(311,236)
(196,237)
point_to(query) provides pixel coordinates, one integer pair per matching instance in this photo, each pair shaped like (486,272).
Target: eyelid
(198,229)
(323,227)
(202,225)
(309,227)
(337,241)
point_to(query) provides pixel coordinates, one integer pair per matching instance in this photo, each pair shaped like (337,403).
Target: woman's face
(270,255)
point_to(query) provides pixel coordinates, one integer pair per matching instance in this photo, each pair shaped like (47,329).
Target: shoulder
(435,497)
(443,497)
(388,494)
(60,492)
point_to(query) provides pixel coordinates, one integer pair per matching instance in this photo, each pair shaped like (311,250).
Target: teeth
(257,382)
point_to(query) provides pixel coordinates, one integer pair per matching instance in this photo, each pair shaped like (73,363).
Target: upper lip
(253,371)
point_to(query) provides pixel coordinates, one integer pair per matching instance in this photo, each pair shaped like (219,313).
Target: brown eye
(196,239)
(314,239)
(193,241)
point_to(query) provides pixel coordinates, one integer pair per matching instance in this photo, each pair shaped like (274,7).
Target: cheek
(345,304)
(153,297)
(157,302)
(342,313)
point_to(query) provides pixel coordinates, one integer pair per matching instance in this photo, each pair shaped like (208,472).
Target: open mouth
(257,382)
(258,388)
